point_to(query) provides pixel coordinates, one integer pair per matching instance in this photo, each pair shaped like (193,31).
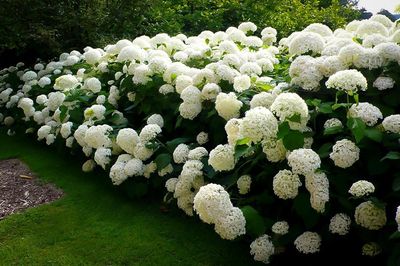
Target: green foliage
(33,29)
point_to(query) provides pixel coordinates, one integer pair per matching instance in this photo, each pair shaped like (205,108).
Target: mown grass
(94,224)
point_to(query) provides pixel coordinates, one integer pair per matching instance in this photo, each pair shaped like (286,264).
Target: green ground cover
(95,224)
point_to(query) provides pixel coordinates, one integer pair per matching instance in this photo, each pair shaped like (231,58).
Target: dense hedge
(293,148)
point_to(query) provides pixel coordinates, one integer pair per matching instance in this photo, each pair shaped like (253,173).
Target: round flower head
(202,138)
(170,184)
(156,119)
(320,29)
(308,243)
(361,188)
(222,158)
(286,184)
(127,139)
(181,153)
(349,81)
(318,186)
(66,82)
(197,153)
(227,105)
(340,224)
(211,203)
(384,83)
(241,83)
(263,99)
(392,124)
(88,166)
(306,42)
(149,132)
(243,184)
(344,153)
(232,225)
(304,161)
(369,216)
(332,122)
(371,249)
(367,112)
(258,124)
(274,149)
(287,105)
(280,228)
(262,249)
(93,84)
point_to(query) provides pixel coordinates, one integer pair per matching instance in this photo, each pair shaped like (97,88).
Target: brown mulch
(20,189)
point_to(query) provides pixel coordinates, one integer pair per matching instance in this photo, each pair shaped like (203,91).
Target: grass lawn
(93,224)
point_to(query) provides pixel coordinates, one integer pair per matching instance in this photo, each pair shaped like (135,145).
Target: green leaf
(357,127)
(333,130)
(293,140)
(243,141)
(63,114)
(374,134)
(378,203)
(325,149)
(303,208)
(283,130)
(340,105)
(255,225)
(395,235)
(313,102)
(325,108)
(392,155)
(241,150)
(294,118)
(162,160)
(396,184)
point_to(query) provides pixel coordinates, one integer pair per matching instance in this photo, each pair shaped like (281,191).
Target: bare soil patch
(21,189)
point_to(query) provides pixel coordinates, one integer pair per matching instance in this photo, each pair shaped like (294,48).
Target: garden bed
(21,189)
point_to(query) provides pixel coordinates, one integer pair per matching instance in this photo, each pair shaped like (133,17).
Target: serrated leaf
(293,140)
(392,155)
(255,225)
(241,150)
(162,160)
(243,141)
(294,118)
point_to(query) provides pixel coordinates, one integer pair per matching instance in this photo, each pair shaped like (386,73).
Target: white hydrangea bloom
(262,249)
(274,149)
(280,228)
(117,173)
(391,123)
(259,123)
(384,83)
(368,27)
(349,81)
(102,157)
(247,27)
(181,153)
(308,242)
(43,131)
(127,139)
(149,132)
(332,122)
(41,99)
(156,119)
(69,142)
(318,186)
(190,110)
(286,184)
(262,99)
(197,153)
(210,91)
(166,170)
(88,166)
(367,112)
(95,112)
(227,105)
(340,224)
(344,153)
(44,81)
(93,84)
(287,105)
(241,83)
(306,42)
(320,29)
(170,184)
(55,100)
(222,158)
(134,167)
(142,152)
(66,129)
(371,249)
(369,216)
(304,161)
(361,188)
(149,169)
(202,138)
(232,129)
(98,136)
(211,202)
(232,225)
(166,88)
(28,76)
(243,183)
(66,82)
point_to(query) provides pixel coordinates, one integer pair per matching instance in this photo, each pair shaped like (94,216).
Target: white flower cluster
(213,205)
(371,249)
(243,184)
(304,161)
(369,216)
(344,153)
(262,249)
(361,188)
(286,184)
(367,112)
(391,123)
(280,228)
(317,185)
(222,158)
(340,224)
(308,242)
